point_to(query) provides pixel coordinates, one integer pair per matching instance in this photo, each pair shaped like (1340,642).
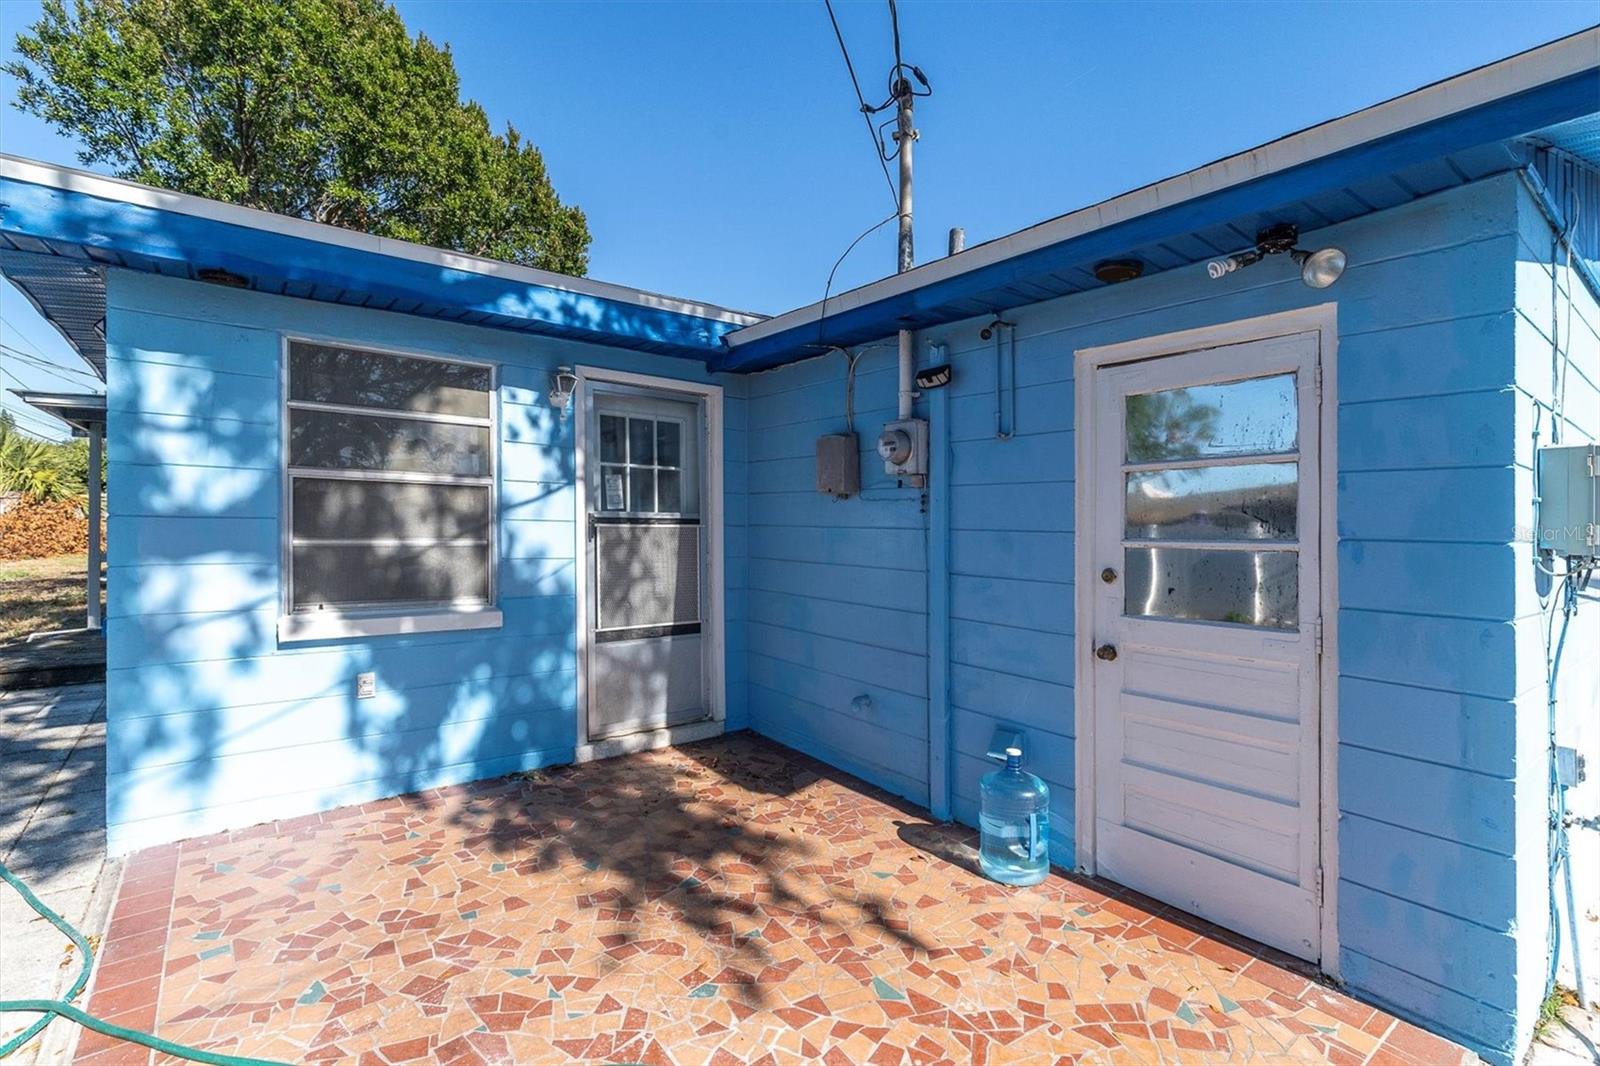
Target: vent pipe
(958,239)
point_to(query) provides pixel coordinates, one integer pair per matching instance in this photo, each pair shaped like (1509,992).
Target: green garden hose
(50,1009)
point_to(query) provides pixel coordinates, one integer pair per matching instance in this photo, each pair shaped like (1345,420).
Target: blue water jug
(1014,824)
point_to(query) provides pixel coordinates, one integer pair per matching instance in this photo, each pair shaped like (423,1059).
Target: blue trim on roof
(1499,123)
(93,229)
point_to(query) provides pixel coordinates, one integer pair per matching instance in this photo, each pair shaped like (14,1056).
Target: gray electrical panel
(1569,500)
(839,465)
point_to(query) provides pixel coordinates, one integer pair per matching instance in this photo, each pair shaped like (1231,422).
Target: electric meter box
(839,465)
(1569,500)
(903,447)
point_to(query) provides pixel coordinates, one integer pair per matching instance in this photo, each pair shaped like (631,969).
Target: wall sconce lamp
(1318,269)
(562,384)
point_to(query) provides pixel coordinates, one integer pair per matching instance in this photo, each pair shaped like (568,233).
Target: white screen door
(1206,614)
(646,562)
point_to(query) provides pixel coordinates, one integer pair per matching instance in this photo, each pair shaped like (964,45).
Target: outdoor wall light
(1318,269)
(562,383)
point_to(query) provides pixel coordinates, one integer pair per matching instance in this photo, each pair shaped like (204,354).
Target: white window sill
(329,625)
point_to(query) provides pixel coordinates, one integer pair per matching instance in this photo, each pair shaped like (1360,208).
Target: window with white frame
(391,481)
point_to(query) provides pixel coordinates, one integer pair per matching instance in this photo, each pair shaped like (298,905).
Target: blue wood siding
(1557,388)
(211,723)
(1434,848)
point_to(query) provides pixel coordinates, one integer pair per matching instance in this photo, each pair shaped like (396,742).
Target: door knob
(1106,653)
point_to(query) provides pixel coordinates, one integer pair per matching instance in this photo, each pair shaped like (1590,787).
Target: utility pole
(905,136)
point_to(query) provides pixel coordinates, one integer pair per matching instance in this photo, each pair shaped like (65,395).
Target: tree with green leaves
(324,109)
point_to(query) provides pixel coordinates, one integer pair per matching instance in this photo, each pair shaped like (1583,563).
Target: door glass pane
(338,441)
(667,444)
(641,489)
(611,444)
(1258,588)
(1255,416)
(669,491)
(614,488)
(356,378)
(641,441)
(1256,501)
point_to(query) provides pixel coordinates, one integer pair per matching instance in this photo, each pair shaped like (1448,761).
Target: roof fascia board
(1547,85)
(70,179)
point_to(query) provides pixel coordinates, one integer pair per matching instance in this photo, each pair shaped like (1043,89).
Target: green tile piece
(885,990)
(315,994)
(497,868)
(881,875)
(1187,1015)
(211,953)
(334,888)
(1228,1005)
(467,916)
(209,934)
(518,971)
(223,868)
(705,991)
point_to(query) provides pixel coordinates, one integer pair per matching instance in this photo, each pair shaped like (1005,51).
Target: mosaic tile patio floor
(727,902)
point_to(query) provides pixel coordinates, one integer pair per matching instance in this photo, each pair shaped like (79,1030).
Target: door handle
(1106,653)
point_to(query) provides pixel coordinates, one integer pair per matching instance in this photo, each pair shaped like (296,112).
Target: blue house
(1254,560)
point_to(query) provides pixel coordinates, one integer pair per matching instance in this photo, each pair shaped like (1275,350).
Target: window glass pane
(612,446)
(668,447)
(641,489)
(1256,501)
(1259,588)
(614,488)
(379,575)
(325,509)
(641,441)
(669,491)
(336,374)
(1256,416)
(337,441)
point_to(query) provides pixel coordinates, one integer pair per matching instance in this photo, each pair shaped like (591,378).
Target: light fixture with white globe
(1318,269)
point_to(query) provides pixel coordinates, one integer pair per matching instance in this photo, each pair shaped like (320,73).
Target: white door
(1206,619)
(645,564)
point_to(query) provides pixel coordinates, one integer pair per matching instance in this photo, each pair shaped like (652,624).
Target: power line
(827,290)
(49,367)
(867,111)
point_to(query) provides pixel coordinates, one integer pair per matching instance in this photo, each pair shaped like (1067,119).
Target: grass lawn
(37,595)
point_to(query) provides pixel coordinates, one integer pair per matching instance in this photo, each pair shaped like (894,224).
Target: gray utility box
(1569,500)
(839,465)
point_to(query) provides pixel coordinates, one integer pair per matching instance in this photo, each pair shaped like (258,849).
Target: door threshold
(647,740)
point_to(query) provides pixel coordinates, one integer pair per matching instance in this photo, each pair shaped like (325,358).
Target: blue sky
(719,154)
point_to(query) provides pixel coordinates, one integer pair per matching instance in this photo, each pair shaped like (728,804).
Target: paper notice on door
(613,492)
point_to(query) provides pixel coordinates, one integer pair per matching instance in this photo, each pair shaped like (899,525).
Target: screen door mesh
(647,574)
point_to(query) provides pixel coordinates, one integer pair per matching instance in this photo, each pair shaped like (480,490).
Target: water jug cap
(1013,758)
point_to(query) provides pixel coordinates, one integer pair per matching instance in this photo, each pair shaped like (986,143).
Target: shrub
(34,529)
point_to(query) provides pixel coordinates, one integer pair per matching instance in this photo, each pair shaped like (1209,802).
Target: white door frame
(1322,320)
(711,518)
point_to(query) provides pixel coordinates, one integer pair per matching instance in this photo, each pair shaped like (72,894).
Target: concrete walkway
(53,837)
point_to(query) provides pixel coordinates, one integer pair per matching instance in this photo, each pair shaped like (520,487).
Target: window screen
(391,474)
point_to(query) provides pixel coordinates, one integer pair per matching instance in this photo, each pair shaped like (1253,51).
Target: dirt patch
(38,595)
